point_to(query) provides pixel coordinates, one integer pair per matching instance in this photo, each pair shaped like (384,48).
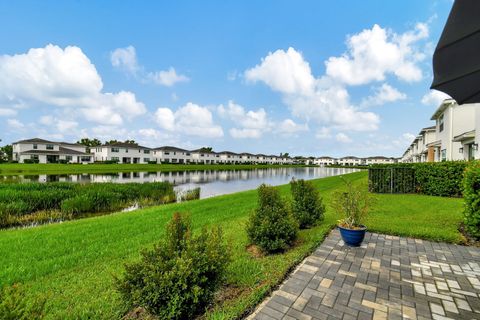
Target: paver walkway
(387,278)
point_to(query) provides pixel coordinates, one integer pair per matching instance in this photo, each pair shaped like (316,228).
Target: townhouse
(325,161)
(169,154)
(44,151)
(122,152)
(454,136)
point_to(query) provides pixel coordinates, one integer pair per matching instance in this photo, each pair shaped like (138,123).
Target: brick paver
(387,277)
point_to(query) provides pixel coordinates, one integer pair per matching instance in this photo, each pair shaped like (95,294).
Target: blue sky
(305,77)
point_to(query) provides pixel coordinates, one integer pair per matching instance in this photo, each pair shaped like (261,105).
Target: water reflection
(212,182)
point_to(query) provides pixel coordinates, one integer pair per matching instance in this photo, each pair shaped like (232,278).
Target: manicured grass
(73,262)
(34,169)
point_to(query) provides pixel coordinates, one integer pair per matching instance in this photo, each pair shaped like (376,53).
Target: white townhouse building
(455,131)
(45,151)
(350,161)
(204,157)
(123,153)
(169,154)
(325,161)
(454,136)
(379,160)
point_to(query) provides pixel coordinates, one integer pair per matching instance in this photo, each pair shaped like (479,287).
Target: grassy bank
(35,169)
(73,263)
(27,203)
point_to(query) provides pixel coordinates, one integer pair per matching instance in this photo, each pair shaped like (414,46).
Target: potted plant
(352,203)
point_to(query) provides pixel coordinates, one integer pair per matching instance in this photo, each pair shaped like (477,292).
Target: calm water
(211,182)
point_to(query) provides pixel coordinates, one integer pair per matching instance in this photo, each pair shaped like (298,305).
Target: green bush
(307,205)
(178,278)
(471,196)
(431,178)
(271,226)
(14,305)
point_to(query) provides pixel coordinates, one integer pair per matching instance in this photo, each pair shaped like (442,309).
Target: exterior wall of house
(123,154)
(21,152)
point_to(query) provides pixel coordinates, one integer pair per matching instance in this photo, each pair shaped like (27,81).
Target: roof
(350,157)
(325,157)
(202,151)
(124,145)
(60,151)
(229,152)
(443,106)
(465,136)
(170,148)
(34,140)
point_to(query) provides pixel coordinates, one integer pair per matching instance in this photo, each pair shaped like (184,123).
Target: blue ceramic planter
(351,237)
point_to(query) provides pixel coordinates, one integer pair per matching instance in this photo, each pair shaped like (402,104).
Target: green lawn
(34,169)
(73,262)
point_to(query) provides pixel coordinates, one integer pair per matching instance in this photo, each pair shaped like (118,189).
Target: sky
(309,78)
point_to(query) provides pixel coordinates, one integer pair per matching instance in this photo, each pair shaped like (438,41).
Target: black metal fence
(391,180)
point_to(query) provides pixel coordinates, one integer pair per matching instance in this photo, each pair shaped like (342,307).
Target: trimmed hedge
(443,179)
(471,195)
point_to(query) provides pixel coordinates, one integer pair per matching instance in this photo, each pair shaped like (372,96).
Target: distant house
(324,161)
(379,160)
(45,151)
(123,152)
(201,156)
(169,154)
(350,161)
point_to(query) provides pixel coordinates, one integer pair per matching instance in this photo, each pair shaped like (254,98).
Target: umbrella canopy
(456,61)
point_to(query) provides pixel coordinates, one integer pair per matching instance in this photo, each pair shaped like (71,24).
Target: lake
(211,182)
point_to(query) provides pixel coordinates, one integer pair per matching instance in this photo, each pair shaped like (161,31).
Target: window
(146,159)
(68,158)
(126,150)
(49,147)
(440,123)
(444,155)
(34,157)
(166,153)
(35,147)
(115,150)
(174,153)
(201,154)
(146,151)
(85,158)
(188,153)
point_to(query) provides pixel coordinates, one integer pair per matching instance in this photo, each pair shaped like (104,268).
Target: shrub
(178,278)
(77,205)
(271,226)
(353,203)
(192,194)
(471,196)
(307,205)
(14,304)
(431,178)
(152,162)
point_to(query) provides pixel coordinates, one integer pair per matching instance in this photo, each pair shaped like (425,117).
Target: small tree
(353,203)
(307,205)
(179,277)
(271,226)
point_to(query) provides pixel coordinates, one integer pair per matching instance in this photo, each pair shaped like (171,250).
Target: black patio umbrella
(456,61)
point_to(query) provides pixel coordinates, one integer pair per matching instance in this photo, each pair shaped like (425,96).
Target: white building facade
(122,152)
(44,151)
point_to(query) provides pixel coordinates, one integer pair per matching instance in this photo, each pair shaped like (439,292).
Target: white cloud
(126,60)
(7,112)
(343,138)
(167,78)
(165,119)
(383,94)
(319,100)
(323,133)
(63,78)
(191,119)
(15,124)
(375,52)
(434,98)
(251,124)
(284,71)
(288,126)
